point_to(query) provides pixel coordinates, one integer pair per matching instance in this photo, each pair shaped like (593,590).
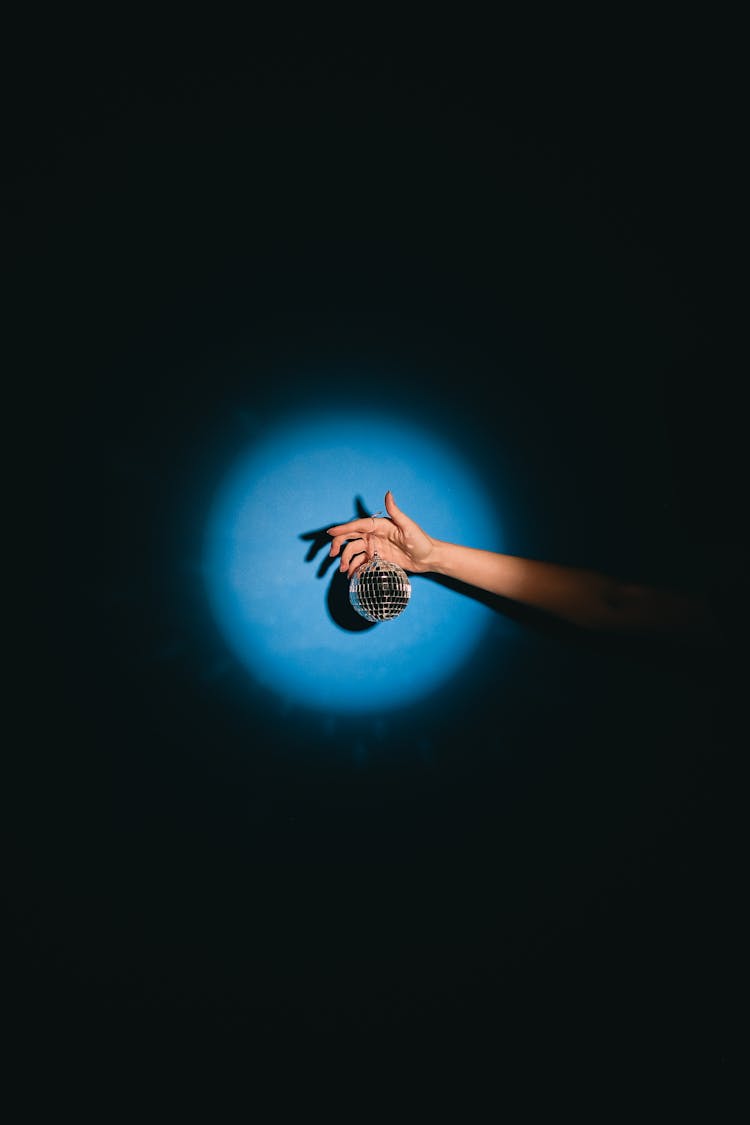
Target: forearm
(564,591)
(583,597)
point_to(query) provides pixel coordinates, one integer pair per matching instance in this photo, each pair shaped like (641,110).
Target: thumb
(393,509)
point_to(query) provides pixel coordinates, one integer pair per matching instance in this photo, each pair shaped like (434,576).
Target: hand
(396,539)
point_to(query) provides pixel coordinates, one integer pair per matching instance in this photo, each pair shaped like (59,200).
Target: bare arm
(583,597)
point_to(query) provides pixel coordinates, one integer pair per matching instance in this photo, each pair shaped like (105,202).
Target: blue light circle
(270,602)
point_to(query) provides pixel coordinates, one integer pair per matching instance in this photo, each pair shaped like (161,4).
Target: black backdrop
(544,243)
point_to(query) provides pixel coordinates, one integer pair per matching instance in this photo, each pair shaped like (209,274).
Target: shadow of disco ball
(379,590)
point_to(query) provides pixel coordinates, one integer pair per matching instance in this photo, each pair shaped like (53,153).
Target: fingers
(351,539)
(357,529)
(340,540)
(353,555)
(349,548)
(344,531)
(364,525)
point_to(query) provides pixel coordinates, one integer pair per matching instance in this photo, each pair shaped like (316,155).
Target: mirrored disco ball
(379,590)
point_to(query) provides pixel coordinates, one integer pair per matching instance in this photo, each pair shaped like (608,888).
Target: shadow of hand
(340,609)
(320,538)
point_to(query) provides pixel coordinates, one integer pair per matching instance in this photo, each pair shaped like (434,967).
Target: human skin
(585,598)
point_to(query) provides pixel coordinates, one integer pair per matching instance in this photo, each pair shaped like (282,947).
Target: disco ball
(379,590)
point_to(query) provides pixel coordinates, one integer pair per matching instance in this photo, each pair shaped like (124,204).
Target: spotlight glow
(271,604)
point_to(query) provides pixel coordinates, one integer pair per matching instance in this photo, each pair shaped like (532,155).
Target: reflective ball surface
(379,590)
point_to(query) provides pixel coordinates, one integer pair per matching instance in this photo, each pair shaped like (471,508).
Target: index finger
(353,527)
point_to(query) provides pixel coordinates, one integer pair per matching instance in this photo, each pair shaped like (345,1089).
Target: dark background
(537,232)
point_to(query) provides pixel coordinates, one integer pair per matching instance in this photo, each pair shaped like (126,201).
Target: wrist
(434,561)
